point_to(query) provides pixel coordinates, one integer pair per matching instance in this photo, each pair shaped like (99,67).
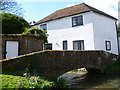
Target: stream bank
(91,80)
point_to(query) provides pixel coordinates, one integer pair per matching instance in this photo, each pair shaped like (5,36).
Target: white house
(80,27)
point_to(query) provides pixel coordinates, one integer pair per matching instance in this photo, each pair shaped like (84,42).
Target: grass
(10,81)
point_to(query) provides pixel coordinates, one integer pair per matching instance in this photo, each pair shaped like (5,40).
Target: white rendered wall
(61,29)
(104,30)
(56,37)
(65,22)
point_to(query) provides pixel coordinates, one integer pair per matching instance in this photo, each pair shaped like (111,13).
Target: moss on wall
(114,68)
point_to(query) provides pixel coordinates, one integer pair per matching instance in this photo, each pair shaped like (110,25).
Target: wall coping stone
(33,53)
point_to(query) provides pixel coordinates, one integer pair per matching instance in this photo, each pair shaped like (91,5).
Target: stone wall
(27,44)
(55,63)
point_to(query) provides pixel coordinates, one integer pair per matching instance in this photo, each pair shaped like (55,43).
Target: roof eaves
(60,17)
(89,9)
(100,12)
(105,14)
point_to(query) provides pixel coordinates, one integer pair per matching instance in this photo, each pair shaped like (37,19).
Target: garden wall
(27,44)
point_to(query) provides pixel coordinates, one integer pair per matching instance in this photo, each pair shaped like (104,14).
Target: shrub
(13,24)
(37,32)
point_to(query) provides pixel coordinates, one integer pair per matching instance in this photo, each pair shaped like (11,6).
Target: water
(92,80)
(97,81)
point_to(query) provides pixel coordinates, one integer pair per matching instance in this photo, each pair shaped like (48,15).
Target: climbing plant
(39,33)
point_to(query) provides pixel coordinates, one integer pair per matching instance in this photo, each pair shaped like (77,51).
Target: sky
(35,10)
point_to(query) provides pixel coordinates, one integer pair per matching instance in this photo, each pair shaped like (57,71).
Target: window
(44,27)
(77,21)
(78,45)
(64,45)
(108,45)
(48,46)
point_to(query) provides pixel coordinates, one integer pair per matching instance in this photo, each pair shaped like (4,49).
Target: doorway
(11,49)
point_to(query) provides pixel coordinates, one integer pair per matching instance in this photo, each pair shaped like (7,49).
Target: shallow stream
(97,81)
(92,80)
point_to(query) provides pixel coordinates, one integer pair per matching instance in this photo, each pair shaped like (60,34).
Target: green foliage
(114,68)
(118,27)
(37,32)
(33,30)
(62,83)
(13,24)
(10,81)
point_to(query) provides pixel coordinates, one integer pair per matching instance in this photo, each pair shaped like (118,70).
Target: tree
(13,24)
(10,6)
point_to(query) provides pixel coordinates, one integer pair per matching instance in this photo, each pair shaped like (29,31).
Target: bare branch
(11,6)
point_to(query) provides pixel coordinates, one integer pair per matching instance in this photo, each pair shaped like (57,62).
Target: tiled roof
(73,10)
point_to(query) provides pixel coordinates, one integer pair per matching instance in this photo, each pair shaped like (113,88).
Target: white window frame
(80,45)
(77,21)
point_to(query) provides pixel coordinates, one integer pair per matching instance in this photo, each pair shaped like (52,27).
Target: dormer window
(43,27)
(77,21)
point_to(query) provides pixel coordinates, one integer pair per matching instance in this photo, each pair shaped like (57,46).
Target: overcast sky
(38,9)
